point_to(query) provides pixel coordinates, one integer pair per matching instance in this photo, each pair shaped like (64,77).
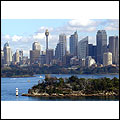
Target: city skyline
(34,30)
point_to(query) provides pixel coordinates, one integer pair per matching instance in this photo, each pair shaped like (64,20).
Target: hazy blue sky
(21,33)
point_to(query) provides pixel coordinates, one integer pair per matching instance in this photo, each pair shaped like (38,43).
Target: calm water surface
(9,85)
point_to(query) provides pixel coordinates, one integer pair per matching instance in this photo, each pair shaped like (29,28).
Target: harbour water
(9,85)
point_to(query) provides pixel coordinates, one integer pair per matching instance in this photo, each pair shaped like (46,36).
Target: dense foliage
(15,72)
(73,83)
(31,70)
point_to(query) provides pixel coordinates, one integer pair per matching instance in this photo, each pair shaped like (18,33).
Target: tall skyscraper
(92,51)
(73,44)
(57,51)
(46,34)
(101,40)
(63,45)
(49,56)
(7,54)
(83,48)
(17,59)
(21,55)
(107,58)
(114,48)
(117,51)
(35,53)
(61,48)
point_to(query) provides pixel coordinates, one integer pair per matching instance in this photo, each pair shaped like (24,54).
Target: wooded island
(74,86)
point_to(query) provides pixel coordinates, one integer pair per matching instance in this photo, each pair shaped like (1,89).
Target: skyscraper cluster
(80,52)
(8,58)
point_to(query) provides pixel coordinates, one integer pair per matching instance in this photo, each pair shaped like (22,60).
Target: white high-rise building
(107,58)
(7,54)
(83,48)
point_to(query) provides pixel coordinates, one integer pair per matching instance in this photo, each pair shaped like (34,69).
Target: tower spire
(46,34)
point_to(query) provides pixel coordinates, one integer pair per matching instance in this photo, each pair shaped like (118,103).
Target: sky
(21,33)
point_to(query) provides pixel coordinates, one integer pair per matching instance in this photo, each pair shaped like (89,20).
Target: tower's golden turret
(46,32)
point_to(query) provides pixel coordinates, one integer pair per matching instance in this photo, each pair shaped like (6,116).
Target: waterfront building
(49,56)
(101,40)
(73,44)
(89,61)
(46,34)
(83,48)
(114,48)
(107,58)
(7,54)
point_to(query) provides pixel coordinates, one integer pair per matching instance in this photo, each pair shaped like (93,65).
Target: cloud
(82,22)
(92,40)
(39,36)
(7,37)
(112,25)
(16,38)
(26,39)
(82,25)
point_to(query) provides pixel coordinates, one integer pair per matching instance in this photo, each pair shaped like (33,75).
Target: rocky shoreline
(70,95)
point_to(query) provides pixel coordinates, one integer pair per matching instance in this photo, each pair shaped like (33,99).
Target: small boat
(41,76)
(28,81)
